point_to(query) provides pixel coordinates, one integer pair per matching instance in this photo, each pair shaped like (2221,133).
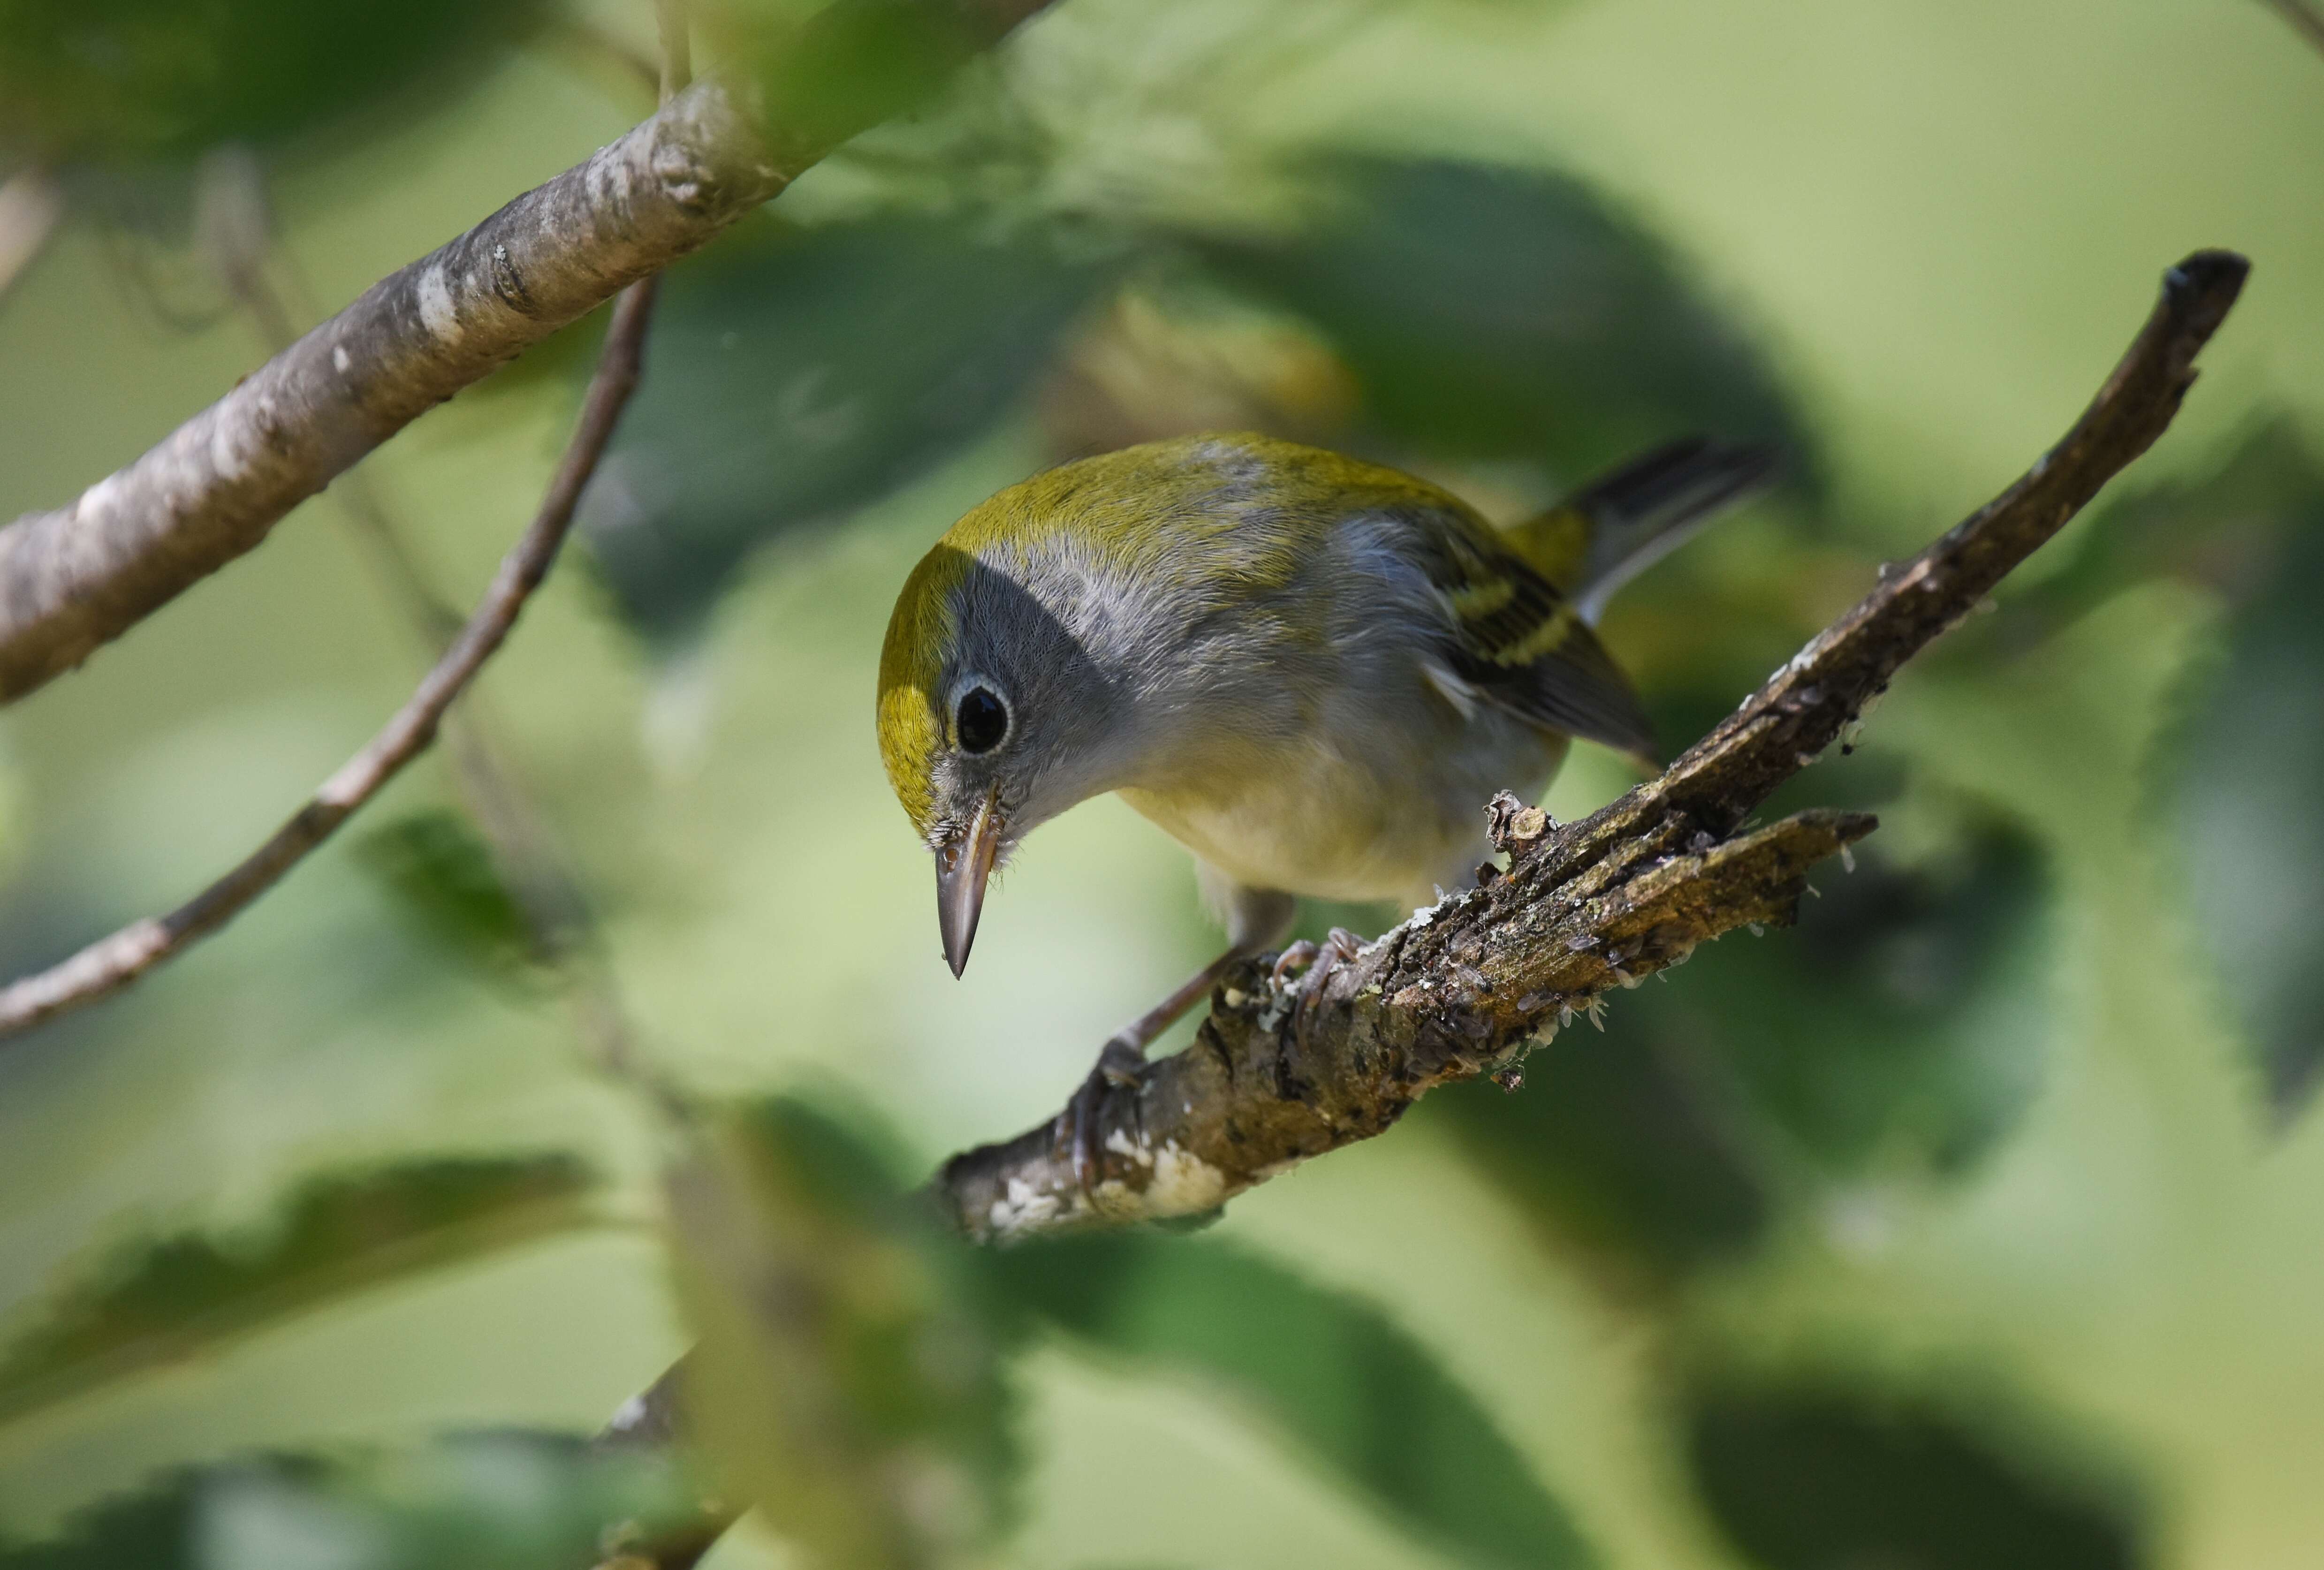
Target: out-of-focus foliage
(852,1348)
(1502,313)
(1355,1393)
(2247,807)
(846,1380)
(1430,309)
(505,1500)
(2244,769)
(169,1299)
(1825,1477)
(1896,1031)
(1439,310)
(117,79)
(2239,774)
(836,69)
(1982,1112)
(442,876)
(795,375)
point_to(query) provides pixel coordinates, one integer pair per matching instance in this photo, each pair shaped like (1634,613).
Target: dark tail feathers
(1650,506)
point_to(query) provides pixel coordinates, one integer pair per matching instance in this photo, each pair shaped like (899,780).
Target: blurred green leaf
(1901,1021)
(110,79)
(1826,1478)
(853,63)
(848,1377)
(165,1299)
(1616,1145)
(1505,313)
(1332,1374)
(442,876)
(1896,1027)
(504,1501)
(2242,770)
(796,374)
(2250,773)
(2228,530)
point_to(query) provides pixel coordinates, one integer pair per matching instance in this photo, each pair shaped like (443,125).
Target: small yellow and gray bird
(1310,671)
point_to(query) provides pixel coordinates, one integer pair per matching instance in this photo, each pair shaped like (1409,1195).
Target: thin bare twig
(114,962)
(238,230)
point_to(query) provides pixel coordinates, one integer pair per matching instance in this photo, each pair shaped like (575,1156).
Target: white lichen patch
(1183,1183)
(434,295)
(1121,1144)
(1022,1207)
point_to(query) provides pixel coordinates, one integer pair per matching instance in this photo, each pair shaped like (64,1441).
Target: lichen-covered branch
(1278,1075)
(75,577)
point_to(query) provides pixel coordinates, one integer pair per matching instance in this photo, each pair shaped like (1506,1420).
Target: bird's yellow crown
(911,663)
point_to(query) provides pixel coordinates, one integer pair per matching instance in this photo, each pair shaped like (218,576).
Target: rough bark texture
(75,577)
(1278,1076)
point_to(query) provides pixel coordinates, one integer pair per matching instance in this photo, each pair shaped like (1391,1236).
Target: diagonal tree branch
(1278,1076)
(74,578)
(115,961)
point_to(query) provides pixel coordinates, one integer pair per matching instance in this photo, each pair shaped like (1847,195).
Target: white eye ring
(972,685)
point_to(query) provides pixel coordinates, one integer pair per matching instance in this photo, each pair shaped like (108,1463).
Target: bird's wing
(1523,645)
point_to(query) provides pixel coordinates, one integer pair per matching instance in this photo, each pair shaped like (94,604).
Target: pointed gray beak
(963,864)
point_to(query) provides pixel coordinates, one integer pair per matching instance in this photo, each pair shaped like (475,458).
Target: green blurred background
(1978,1220)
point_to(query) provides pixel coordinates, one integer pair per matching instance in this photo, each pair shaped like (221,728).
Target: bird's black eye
(982,720)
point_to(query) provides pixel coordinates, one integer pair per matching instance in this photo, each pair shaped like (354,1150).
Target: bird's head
(1041,654)
(993,717)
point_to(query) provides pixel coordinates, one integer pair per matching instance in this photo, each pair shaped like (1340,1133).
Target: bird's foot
(1297,955)
(1339,946)
(1081,1124)
(1318,960)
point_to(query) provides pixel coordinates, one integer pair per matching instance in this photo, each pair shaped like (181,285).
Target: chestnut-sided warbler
(1310,671)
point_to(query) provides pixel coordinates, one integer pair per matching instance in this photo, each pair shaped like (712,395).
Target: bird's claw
(1294,956)
(1318,960)
(1081,1124)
